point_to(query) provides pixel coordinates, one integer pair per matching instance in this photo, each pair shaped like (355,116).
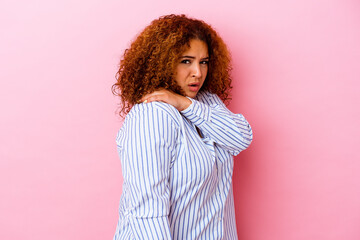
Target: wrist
(185,104)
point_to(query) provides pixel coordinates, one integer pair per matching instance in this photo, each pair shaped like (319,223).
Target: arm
(230,131)
(148,148)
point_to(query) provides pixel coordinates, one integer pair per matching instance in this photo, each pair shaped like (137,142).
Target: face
(192,68)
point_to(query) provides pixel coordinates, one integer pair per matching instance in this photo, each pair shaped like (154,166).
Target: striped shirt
(178,184)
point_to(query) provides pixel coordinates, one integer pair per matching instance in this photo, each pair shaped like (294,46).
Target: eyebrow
(191,57)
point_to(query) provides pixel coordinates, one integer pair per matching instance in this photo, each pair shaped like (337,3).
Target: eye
(204,62)
(186,61)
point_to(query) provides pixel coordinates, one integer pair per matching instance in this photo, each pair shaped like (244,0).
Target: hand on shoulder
(163,95)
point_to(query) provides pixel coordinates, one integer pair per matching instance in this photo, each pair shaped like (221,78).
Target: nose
(196,71)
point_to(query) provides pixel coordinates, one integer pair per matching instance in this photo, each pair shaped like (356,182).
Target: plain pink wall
(296,79)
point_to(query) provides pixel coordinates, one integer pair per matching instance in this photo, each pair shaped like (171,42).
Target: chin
(191,95)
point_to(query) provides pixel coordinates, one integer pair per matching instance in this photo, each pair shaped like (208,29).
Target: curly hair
(150,62)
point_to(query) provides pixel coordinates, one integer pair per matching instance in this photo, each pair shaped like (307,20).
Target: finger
(154,98)
(146,96)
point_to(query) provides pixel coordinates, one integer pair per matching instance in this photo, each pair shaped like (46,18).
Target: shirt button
(220,219)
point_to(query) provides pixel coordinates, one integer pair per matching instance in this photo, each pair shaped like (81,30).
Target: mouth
(194,87)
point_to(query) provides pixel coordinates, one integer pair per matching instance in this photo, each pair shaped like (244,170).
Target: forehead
(196,47)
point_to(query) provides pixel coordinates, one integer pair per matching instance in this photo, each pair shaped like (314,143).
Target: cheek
(205,72)
(180,75)
(177,75)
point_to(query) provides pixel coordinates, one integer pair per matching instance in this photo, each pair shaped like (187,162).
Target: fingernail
(145,101)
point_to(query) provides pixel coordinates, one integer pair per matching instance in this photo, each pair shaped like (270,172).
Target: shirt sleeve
(228,130)
(146,156)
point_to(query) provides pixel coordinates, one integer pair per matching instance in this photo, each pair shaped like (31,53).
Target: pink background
(296,79)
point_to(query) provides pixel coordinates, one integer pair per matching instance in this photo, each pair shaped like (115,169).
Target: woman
(178,139)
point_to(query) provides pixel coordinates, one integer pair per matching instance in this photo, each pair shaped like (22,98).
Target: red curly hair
(150,62)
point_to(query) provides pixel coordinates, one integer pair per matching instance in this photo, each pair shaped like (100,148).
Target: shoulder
(155,111)
(154,119)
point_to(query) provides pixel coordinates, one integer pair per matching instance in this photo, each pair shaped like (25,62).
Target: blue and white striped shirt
(178,185)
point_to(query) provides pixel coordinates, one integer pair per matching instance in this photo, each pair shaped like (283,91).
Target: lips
(194,87)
